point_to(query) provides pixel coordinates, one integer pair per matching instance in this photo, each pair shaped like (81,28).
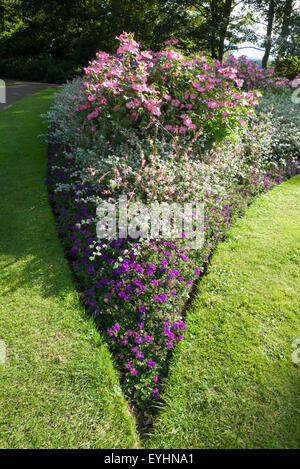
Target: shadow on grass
(26,236)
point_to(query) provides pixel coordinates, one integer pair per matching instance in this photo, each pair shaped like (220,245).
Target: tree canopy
(75,30)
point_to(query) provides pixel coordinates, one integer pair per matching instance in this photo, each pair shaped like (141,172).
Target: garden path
(16,90)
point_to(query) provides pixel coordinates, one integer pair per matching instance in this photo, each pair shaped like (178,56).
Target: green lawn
(58,388)
(232,382)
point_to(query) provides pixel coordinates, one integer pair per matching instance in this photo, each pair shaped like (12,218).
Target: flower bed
(137,288)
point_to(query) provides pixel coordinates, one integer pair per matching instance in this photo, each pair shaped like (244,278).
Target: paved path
(21,89)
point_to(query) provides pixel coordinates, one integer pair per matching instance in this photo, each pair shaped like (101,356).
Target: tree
(78,28)
(287,17)
(268,39)
(208,24)
(9,16)
(278,15)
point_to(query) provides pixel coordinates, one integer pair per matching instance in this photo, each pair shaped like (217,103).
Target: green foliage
(282,116)
(281,37)
(9,17)
(202,25)
(38,68)
(69,31)
(288,67)
(76,30)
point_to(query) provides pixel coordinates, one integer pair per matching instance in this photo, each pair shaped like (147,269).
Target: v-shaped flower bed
(156,127)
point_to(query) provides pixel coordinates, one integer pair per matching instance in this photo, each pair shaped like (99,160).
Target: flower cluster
(146,90)
(254,77)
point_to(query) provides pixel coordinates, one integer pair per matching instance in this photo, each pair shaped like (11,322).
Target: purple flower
(139,355)
(150,363)
(183,257)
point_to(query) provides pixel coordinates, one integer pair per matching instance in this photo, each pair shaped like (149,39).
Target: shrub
(41,67)
(164,91)
(254,77)
(288,67)
(284,119)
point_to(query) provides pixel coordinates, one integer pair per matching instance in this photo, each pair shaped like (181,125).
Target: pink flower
(153,106)
(146,54)
(198,86)
(170,42)
(212,104)
(189,123)
(201,77)
(142,87)
(171,54)
(93,114)
(239,82)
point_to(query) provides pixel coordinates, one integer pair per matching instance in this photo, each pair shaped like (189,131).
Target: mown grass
(232,382)
(58,388)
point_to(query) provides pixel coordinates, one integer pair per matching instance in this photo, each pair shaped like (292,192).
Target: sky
(260,29)
(248,51)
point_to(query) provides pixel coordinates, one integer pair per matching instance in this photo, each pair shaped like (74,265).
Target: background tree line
(51,40)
